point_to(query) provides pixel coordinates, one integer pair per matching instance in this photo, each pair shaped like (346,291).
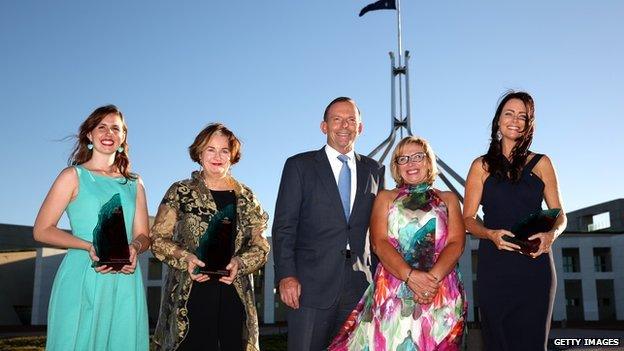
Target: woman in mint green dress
(94,307)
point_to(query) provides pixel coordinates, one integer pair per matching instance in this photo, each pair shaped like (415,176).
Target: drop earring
(499,135)
(90,146)
(120,149)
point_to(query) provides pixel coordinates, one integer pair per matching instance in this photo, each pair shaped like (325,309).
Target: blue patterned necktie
(344,185)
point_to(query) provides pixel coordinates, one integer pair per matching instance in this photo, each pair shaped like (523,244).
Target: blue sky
(268,68)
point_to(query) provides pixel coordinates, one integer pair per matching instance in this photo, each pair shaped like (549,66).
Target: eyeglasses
(417,157)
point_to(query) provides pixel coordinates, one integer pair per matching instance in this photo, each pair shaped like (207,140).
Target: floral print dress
(387,317)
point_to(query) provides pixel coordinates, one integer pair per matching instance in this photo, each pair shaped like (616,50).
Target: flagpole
(399,55)
(398,7)
(398,121)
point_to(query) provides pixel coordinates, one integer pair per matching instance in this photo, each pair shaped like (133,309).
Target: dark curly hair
(494,161)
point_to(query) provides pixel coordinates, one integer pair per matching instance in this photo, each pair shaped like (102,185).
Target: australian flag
(379,5)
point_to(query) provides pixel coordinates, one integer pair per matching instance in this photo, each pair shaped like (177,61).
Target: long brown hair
(497,164)
(81,152)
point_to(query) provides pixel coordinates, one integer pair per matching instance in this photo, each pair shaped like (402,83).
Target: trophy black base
(212,272)
(115,264)
(527,247)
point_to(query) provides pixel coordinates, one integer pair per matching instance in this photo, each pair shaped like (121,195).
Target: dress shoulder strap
(80,172)
(84,175)
(531,164)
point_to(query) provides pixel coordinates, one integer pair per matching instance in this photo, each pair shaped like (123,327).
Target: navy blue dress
(515,292)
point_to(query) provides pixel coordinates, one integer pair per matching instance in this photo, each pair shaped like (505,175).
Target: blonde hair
(432,172)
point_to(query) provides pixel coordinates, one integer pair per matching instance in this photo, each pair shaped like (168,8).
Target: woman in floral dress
(416,301)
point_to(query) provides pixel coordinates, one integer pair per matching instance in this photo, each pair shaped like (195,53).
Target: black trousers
(216,318)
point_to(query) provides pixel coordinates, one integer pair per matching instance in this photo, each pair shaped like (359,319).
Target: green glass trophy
(538,222)
(109,236)
(216,244)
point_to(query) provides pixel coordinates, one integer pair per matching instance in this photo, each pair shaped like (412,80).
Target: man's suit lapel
(363,174)
(325,174)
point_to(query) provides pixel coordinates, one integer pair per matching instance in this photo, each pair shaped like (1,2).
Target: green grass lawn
(36,343)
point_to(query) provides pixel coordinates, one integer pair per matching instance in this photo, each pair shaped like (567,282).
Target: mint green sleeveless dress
(89,310)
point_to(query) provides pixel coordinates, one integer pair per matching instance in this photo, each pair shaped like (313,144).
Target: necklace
(219,184)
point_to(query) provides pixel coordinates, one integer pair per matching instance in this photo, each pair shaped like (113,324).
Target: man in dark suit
(321,249)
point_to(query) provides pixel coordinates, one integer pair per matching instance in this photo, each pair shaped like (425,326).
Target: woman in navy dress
(515,291)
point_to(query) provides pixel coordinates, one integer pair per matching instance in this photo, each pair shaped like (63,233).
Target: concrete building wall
(16,286)
(579,220)
(47,262)
(468,274)
(559,306)
(617,253)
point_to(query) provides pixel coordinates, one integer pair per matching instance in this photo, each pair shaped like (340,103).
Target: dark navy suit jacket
(310,230)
